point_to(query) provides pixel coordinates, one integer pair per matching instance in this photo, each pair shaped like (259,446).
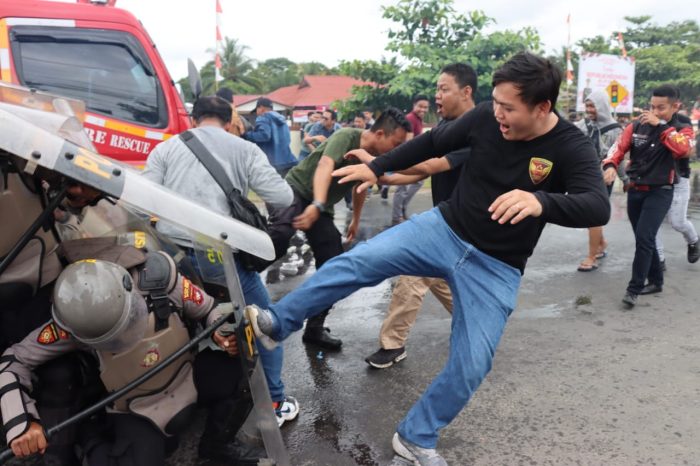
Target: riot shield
(52,142)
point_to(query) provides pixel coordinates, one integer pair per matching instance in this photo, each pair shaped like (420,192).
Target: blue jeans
(484,291)
(646,211)
(254,292)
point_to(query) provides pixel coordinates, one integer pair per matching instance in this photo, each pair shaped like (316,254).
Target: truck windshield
(108,70)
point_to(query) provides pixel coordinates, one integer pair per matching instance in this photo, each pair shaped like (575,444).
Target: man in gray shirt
(174,166)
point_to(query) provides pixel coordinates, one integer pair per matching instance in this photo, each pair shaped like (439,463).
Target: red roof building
(313,93)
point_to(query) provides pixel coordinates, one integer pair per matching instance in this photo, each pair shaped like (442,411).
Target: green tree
(429,34)
(663,54)
(279,72)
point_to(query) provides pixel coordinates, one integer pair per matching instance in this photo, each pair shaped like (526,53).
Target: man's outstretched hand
(355,173)
(360,154)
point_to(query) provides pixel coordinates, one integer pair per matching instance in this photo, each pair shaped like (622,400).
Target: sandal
(585,267)
(601,255)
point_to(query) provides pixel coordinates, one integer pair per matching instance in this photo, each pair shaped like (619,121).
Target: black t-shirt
(443,184)
(560,167)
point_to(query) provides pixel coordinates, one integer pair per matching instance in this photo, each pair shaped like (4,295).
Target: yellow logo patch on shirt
(539,169)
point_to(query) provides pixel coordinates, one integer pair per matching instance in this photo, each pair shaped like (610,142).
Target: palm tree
(236,67)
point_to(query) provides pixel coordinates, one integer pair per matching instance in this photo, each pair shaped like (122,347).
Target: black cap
(212,106)
(264,102)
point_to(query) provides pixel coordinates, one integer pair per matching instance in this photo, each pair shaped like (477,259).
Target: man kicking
(527,167)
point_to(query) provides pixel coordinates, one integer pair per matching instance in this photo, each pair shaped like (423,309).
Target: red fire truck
(102,55)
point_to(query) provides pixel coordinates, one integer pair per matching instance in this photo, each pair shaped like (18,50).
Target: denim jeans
(254,292)
(484,292)
(646,210)
(678,215)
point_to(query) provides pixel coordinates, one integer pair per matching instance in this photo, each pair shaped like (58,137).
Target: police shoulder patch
(51,333)
(191,293)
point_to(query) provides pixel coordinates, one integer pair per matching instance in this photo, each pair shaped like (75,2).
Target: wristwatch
(318,205)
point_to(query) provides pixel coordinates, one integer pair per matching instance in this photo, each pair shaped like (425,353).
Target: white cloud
(328,31)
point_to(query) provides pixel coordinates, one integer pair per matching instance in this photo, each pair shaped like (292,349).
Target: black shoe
(629,300)
(322,337)
(385,193)
(693,252)
(386,357)
(652,288)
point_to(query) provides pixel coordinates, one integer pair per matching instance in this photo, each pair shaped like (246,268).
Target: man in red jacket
(654,142)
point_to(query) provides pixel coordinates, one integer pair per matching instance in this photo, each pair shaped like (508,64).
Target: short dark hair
(463,74)
(308,115)
(667,90)
(390,120)
(226,94)
(537,78)
(420,97)
(212,106)
(334,116)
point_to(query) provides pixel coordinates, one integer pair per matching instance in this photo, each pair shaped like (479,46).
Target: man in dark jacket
(271,134)
(654,142)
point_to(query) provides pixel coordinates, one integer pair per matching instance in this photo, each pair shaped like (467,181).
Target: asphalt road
(577,380)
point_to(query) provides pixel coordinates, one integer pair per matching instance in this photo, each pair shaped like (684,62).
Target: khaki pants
(406,301)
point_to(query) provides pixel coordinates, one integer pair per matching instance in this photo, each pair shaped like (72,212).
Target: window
(108,70)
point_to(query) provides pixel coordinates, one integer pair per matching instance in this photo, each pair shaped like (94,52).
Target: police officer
(131,320)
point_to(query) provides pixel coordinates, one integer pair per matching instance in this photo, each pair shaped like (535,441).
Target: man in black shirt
(456,86)
(527,167)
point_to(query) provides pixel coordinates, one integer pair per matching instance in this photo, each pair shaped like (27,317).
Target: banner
(612,74)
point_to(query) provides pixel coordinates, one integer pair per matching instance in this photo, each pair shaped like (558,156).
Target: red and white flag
(219,43)
(569,65)
(621,44)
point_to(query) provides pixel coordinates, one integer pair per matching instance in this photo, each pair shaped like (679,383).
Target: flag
(621,44)
(569,69)
(569,65)
(219,43)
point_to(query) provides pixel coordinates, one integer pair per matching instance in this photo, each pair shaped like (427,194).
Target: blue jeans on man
(254,292)
(646,210)
(484,291)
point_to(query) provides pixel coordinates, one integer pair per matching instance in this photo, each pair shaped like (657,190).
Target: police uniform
(159,408)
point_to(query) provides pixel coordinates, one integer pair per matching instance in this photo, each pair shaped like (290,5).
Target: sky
(329,31)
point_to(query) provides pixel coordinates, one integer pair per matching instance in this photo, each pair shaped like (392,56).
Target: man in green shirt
(315,193)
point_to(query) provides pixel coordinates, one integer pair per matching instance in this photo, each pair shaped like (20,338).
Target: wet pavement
(586,383)
(576,380)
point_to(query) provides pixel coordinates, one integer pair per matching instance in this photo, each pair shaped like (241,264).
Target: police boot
(219,442)
(316,334)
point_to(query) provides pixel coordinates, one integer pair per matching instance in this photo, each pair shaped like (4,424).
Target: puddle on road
(544,312)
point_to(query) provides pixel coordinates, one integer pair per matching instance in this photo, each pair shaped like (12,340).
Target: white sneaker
(419,456)
(287,410)
(289,269)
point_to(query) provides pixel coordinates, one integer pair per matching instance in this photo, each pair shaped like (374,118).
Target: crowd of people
(500,171)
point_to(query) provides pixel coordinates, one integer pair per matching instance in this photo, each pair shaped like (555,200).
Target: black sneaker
(321,336)
(386,357)
(693,252)
(629,300)
(651,288)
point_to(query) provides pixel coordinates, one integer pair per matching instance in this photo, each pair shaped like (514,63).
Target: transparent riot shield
(216,262)
(45,133)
